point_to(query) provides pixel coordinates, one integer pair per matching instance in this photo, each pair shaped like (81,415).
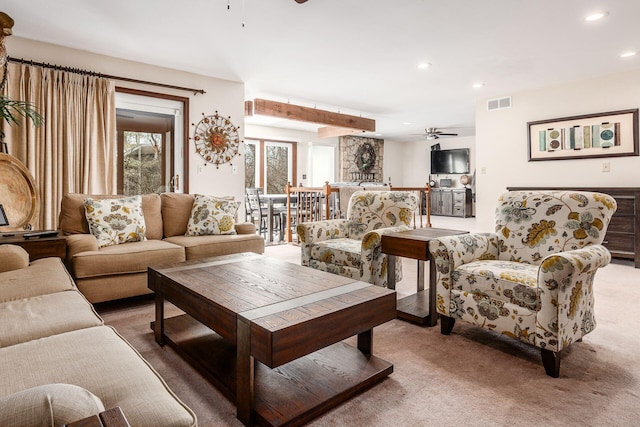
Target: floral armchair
(532,279)
(351,247)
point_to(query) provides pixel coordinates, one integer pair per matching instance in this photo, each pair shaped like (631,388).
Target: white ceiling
(355,57)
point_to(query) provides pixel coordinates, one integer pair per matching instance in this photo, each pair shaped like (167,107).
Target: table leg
(245,373)
(391,271)
(270,221)
(421,275)
(158,326)
(365,342)
(433,314)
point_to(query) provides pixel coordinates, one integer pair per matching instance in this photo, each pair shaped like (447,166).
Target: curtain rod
(106,76)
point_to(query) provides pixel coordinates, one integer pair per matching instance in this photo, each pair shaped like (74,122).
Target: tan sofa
(120,271)
(60,363)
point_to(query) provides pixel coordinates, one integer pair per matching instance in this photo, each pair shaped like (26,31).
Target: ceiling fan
(300,1)
(434,133)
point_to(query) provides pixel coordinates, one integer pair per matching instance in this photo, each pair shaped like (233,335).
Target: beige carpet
(470,378)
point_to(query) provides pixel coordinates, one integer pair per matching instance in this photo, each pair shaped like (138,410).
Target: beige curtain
(74,151)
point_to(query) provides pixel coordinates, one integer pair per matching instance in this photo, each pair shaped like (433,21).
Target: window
(151,142)
(269,164)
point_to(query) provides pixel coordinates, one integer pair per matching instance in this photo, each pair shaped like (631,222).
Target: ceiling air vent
(497,104)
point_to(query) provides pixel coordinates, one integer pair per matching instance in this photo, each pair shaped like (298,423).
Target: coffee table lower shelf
(414,308)
(289,395)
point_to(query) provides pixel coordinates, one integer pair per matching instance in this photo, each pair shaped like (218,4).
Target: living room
(500,157)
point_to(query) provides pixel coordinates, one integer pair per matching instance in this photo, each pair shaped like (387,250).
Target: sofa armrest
(373,263)
(450,252)
(77,243)
(245,228)
(13,257)
(565,284)
(311,232)
(48,404)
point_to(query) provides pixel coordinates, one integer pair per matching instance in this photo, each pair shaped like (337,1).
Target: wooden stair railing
(312,204)
(427,200)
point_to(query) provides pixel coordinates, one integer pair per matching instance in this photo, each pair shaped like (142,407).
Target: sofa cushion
(127,258)
(115,221)
(48,405)
(176,207)
(101,361)
(500,281)
(212,216)
(41,316)
(13,257)
(41,277)
(73,220)
(345,252)
(197,247)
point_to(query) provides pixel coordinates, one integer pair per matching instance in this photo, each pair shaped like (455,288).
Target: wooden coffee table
(420,307)
(276,350)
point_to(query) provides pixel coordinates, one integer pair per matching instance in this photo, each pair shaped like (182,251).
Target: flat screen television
(450,161)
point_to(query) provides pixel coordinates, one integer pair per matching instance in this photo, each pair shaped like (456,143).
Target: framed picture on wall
(611,134)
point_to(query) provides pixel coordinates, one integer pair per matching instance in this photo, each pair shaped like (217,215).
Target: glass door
(278,166)
(269,164)
(151,142)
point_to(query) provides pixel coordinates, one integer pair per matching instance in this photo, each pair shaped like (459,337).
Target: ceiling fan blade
(447,134)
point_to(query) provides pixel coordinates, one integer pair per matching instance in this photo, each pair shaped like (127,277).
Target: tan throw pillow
(115,221)
(13,257)
(212,215)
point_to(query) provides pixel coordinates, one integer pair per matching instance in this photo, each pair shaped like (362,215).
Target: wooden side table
(113,417)
(420,307)
(37,247)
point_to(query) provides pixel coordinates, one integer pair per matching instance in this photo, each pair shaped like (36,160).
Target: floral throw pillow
(212,215)
(115,221)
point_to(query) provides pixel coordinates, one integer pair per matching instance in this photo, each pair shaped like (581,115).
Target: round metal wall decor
(365,157)
(216,139)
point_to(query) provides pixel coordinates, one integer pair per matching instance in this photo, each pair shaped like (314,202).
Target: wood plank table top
(278,314)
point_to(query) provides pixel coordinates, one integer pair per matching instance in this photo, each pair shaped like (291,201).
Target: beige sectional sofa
(120,271)
(60,363)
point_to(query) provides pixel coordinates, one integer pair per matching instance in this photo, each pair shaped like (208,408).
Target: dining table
(271,200)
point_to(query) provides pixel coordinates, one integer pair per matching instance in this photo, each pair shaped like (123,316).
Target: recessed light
(406,123)
(477,85)
(628,54)
(596,16)
(424,65)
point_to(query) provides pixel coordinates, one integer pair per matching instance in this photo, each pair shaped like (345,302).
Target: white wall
(225,96)
(413,159)
(501,140)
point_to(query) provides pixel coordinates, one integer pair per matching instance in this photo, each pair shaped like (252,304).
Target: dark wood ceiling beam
(312,115)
